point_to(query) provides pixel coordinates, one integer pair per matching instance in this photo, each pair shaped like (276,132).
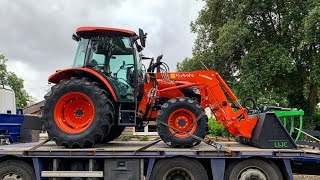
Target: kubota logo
(184,75)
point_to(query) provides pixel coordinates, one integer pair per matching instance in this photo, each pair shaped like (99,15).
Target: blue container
(11,123)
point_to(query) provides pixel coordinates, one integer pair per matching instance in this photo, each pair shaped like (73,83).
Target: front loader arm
(214,92)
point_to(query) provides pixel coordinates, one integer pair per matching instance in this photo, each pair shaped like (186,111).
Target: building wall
(34,109)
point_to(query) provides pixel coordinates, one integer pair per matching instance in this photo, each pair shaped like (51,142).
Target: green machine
(292,119)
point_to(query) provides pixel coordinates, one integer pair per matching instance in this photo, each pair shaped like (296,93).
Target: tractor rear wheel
(181,113)
(77,113)
(114,133)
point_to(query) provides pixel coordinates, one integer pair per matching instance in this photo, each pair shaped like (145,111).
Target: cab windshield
(113,56)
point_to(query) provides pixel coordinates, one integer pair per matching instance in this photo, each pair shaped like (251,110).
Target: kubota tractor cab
(97,97)
(106,91)
(114,55)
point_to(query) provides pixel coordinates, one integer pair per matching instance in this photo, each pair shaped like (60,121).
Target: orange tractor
(108,89)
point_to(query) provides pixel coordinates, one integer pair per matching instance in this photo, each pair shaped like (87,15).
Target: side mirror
(158,62)
(142,37)
(159,58)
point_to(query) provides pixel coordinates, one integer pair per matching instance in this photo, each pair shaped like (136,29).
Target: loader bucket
(269,133)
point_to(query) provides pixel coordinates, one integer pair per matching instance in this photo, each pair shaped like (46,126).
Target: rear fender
(83,72)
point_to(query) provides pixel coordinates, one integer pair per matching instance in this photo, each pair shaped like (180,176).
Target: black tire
(114,133)
(115,130)
(100,125)
(16,169)
(164,114)
(251,167)
(186,168)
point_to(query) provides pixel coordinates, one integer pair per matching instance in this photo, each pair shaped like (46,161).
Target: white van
(7,100)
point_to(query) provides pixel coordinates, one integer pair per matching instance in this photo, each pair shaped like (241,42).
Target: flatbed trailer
(121,160)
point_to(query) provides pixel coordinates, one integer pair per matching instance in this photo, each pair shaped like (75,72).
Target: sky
(35,36)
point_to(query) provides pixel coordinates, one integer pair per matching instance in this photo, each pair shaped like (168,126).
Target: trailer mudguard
(70,72)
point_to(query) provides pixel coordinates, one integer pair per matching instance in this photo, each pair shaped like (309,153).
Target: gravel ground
(305,177)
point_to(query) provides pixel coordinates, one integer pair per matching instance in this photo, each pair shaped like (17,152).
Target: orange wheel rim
(181,119)
(74,112)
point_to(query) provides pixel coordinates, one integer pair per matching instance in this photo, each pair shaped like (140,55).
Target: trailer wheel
(77,113)
(253,169)
(180,113)
(178,168)
(115,132)
(16,170)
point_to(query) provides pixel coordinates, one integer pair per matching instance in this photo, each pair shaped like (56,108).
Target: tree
(16,83)
(269,50)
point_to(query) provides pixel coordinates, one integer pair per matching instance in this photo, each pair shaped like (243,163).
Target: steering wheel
(102,68)
(123,67)
(128,67)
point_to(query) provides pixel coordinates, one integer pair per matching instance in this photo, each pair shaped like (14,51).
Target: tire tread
(102,125)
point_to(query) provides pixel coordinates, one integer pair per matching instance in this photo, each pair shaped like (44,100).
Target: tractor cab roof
(89,31)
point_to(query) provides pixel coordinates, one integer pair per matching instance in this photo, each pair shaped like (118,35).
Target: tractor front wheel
(77,113)
(181,114)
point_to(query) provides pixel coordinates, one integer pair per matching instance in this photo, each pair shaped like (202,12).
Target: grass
(144,138)
(126,137)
